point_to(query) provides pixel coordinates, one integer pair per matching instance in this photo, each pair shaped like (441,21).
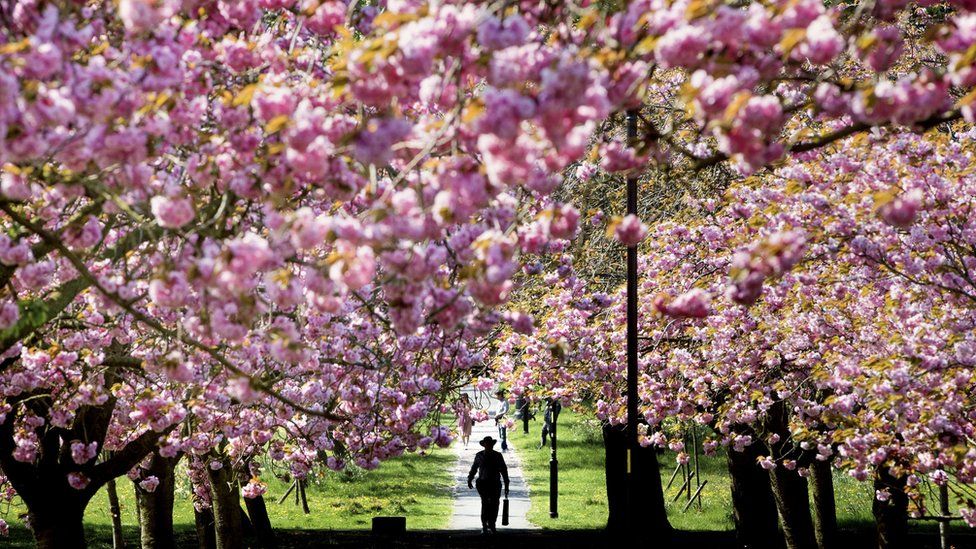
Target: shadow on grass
(100,537)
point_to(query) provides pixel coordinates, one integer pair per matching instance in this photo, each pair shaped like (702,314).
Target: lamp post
(552,410)
(633,473)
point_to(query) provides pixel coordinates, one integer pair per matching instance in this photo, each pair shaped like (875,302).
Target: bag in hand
(505,512)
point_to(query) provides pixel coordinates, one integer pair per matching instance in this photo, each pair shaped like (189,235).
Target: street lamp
(552,411)
(632,412)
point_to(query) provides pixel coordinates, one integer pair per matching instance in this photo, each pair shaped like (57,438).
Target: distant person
(553,406)
(499,411)
(465,421)
(523,412)
(490,468)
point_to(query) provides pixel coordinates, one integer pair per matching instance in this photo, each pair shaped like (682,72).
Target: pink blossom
(141,15)
(14,186)
(903,209)
(254,488)
(630,231)
(520,322)
(78,481)
(172,213)
(83,453)
(149,483)
(9,315)
(822,43)
(354,267)
(691,304)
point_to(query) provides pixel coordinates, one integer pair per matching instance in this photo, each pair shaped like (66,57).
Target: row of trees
(289,228)
(814,318)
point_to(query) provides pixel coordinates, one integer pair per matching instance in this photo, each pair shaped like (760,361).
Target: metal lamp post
(633,473)
(553,465)
(553,406)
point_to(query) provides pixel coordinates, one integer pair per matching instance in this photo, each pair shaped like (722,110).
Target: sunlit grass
(416,486)
(582,483)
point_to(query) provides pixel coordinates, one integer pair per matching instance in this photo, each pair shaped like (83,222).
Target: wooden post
(944,511)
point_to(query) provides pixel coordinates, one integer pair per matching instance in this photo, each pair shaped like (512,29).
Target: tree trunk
(793,505)
(302,483)
(226,508)
(753,505)
(789,488)
(156,507)
(257,510)
(118,540)
(824,507)
(644,483)
(206,536)
(615,448)
(58,522)
(891,517)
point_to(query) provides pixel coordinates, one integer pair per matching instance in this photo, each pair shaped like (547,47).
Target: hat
(487,441)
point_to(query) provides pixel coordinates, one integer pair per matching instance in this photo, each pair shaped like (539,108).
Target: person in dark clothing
(490,468)
(553,406)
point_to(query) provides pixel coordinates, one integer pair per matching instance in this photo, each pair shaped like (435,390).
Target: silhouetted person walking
(490,468)
(553,406)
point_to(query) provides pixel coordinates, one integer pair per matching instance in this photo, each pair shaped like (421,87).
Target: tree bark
(615,464)
(753,505)
(156,507)
(824,507)
(206,535)
(645,482)
(58,522)
(225,496)
(257,510)
(789,488)
(891,517)
(118,540)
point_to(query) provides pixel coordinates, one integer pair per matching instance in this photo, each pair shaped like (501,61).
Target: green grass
(582,483)
(416,486)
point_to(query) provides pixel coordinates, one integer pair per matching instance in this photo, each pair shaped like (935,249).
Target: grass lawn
(416,486)
(582,491)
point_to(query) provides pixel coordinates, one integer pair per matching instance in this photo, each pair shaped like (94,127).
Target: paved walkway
(467,504)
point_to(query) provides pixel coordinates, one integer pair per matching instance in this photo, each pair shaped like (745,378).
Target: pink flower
(692,304)
(902,211)
(630,231)
(355,265)
(78,481)
(9,314)
(564,222)
(82,453)
(85,236)
(374,145)
(823,42)
(149,483)
(682,46)
(172,213)
(767,463)
(497,34)
(254,488)
(140,15)
(14,186)
(520,322)
(4,528)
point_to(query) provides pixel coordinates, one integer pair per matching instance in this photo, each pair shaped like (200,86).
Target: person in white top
(499,411)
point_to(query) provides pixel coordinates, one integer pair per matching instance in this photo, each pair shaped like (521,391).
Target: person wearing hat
(490,468)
